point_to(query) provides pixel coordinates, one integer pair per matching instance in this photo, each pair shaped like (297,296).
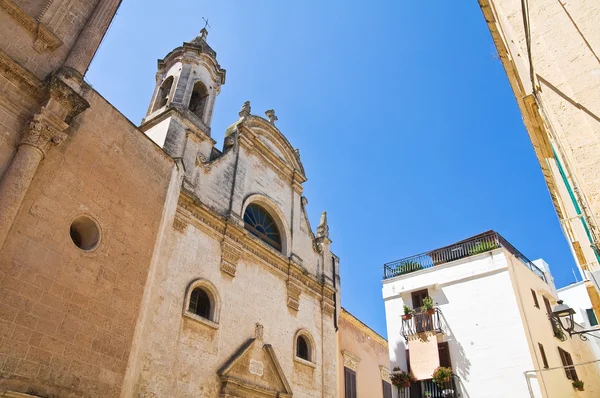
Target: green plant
(408,310)
(401,379)
(407,266)
(442,374)
(578,385)
(482,247)
(558,333)
(428,303)
(427,394)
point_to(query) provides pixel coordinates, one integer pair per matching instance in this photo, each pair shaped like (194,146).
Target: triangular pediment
(254,372)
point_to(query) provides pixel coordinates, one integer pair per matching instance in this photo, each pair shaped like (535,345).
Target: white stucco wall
(482,323)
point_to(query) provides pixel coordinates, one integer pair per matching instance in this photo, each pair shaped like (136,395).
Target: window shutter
(444,354)
(349,383)
(535,299)
(543,354)
(592,317)
(387,389)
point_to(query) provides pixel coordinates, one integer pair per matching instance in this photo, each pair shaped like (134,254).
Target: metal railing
(421,322)
(428,388)
(469,247)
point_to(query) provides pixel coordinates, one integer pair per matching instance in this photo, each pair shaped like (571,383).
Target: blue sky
(409,132)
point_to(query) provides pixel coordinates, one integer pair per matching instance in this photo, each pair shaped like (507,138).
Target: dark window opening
(349,383)
(543,354)
(592,317)
(200,303)
(444,355)
(387,389)
(535,299)
(162,97)
(418,297)
(302,348)
(199,100)
(260,224)
(567,362)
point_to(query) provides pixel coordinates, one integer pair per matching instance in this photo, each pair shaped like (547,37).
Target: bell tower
(188,81)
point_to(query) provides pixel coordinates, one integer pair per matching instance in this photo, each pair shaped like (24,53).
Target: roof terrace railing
(469,247)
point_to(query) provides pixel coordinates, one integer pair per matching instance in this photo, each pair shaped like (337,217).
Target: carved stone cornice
(20,76)
(66,96)
(230,255)
(351,361)
(200,216)
(45,39)
(327,306)
(385,374)
(43,131)
(293,291)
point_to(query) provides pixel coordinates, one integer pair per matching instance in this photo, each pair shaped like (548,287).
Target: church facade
(143,261)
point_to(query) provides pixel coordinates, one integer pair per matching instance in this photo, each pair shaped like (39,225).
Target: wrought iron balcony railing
(469,247)
(421,322)
(428,388)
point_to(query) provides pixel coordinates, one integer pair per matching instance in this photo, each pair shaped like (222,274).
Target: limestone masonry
(143,261)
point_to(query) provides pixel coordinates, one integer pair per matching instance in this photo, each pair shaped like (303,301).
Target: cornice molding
(346,316)
(16,73)
(351,361)
(45,39)
(239,243)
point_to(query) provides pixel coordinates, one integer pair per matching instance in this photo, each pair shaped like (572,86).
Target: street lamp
(562,315)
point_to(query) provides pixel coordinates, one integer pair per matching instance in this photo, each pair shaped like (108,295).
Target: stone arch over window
(202,302)
(162,97)
(265,221)
(304,346)
(199,99)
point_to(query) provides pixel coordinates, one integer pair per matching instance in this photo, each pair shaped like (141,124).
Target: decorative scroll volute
(44,131)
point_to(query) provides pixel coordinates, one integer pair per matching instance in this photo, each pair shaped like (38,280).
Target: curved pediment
(269,138)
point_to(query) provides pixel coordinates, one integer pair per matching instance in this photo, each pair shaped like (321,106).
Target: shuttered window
(387,389)
(444,354)
(535,300)
(592,317)
(566,359)
(349,383)
(418,297)
(543,354)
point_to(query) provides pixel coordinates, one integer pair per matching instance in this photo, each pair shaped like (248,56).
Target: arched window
(260,224)
(303,348)
(200,303)
(163,94)
(199,99)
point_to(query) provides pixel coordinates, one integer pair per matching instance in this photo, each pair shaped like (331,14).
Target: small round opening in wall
(85,233)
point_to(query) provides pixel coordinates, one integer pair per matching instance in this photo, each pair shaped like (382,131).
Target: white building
(490,324)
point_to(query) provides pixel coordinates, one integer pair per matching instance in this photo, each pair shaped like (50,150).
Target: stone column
(89,40)
(43,132)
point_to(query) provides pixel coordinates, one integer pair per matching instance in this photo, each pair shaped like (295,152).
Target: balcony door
(417,299)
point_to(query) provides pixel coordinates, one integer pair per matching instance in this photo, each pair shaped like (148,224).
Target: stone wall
(67,315)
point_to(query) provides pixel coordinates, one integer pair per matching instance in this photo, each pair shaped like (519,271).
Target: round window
(85,233)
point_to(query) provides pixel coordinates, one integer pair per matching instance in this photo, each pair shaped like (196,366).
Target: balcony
(481,243)
(421,322)
(427,388)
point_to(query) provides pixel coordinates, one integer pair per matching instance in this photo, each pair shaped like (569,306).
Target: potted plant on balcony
(578,385)
(401,379)
(428,306)
(407,266)
(408,313)
(442,375)
(483,247)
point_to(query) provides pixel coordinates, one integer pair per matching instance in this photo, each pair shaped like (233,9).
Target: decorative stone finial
(271,115)
(203,34)
(323,228)
(245,112)
(297,151)
(258,331)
